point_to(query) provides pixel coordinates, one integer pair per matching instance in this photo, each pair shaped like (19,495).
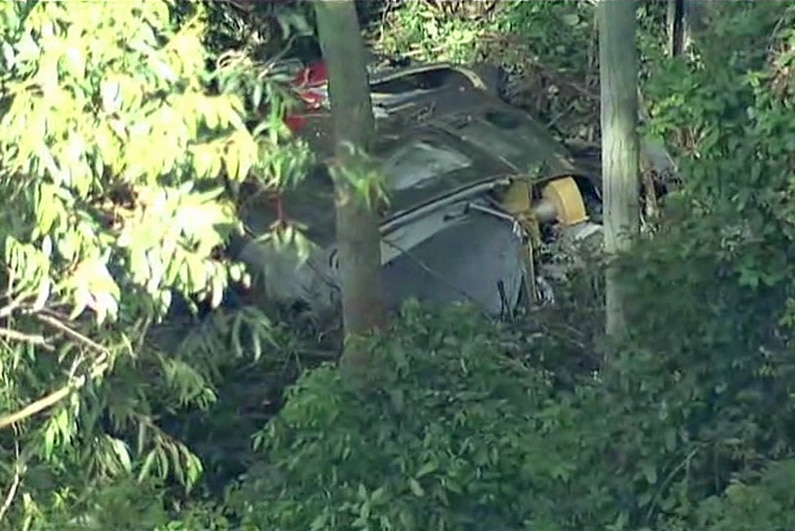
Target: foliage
(547,49)
(761,502)
(119,167)
(259,28)
(465,428)
(716,349)
(449,438)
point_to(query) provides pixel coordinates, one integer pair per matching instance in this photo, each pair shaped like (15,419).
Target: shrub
(454,433)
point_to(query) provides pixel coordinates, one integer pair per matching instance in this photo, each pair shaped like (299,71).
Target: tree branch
(100,365)
(53,398)
(74,334)
(15,304)
(33,339)
(12,490)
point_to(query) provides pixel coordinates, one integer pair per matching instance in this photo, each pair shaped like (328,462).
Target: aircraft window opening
(429,80)
(417,163)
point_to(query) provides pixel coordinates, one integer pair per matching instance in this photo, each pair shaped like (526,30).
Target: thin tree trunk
(676,30)
(618,65)
(358,236)
(684,18)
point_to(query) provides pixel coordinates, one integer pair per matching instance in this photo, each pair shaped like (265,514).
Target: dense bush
(462,429)
(119,156)
(456,432)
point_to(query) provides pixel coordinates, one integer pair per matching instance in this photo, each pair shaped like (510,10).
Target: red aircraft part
(310,84)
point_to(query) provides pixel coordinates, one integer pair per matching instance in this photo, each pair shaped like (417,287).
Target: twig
(36,407)
(12,490)
(33,339)
(74,334)
(100,365)
(9,308)
(53,398)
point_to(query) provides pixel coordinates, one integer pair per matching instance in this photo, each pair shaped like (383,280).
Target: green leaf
(378,496)
(122,454)
(650,473)
(426,469)
(416,488)
(149,462)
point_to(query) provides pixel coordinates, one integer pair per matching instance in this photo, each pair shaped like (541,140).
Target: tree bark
(618,74)
(358,235)
(684,18)
(676,29)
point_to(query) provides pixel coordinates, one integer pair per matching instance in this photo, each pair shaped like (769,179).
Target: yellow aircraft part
(517,200)
(565,195)
(562,193)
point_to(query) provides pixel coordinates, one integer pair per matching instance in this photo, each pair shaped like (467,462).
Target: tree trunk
(684,18)
(618,74)
(676,29)
(358,236)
